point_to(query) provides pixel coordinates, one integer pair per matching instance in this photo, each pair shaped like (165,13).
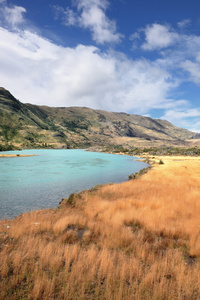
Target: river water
(41,181)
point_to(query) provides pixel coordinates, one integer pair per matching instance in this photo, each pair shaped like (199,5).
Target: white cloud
(180,114)
(134,36)
(13,16)
(68,16)
(38,71)
(158,36)
(178,52)
(91,14)
(184,23)
(179,55)
(184,117)
(93,17)
(193,68)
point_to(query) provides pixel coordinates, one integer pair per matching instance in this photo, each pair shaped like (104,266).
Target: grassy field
(135,240)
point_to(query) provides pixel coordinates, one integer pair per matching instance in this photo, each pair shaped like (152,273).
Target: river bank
(136,240)
(16,155)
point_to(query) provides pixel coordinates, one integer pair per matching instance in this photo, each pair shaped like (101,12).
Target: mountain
(30,126)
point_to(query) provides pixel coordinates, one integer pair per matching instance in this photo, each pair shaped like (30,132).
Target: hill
(32,126)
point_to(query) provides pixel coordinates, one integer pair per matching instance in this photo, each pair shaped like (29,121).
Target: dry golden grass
(135,240)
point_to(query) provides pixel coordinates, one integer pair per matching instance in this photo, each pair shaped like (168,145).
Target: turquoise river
(41,181)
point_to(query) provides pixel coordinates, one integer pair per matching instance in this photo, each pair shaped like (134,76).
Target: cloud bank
(39,71)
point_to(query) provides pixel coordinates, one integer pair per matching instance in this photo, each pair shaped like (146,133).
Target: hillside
(30,126)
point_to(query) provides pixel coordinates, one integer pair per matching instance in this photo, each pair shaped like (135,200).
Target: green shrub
(161,162)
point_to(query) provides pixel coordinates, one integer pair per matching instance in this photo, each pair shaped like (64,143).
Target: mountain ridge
(28,126)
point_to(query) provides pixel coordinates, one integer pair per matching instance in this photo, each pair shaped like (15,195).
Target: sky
(139,57)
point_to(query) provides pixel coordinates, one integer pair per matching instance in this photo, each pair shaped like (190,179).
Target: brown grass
(135,240)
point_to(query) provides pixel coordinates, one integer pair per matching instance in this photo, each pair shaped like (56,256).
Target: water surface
(41,181)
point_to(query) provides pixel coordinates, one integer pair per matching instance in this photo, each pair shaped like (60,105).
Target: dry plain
(136,240)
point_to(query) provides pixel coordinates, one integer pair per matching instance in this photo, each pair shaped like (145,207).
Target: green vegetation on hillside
(33,126)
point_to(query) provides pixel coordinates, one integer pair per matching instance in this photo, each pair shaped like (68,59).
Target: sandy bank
(16,155)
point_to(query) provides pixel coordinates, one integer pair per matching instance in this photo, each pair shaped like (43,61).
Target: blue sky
(140,57)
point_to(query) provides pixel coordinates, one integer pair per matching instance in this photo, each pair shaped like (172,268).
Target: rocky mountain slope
(30,126)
